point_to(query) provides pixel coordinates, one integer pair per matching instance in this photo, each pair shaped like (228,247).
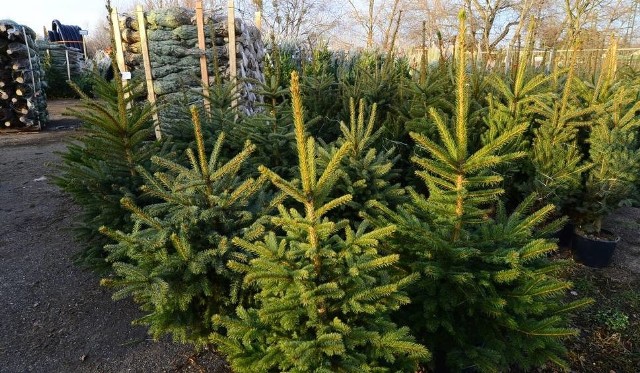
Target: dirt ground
(54,316)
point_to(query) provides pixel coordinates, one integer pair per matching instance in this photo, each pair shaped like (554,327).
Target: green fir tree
(173,263)
(324,290)
(100,168)
(368,174)
(488,298)
(271,129)
(612,139)
(516,99)
(555,155)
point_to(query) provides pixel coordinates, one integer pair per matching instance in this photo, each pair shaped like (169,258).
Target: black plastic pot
(565,235)
(592,252)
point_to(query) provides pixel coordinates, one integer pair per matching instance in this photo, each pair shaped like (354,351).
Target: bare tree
(483,18)
(298,19)
(99,38)
(378,19)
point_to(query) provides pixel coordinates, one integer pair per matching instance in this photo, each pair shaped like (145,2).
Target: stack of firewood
(22,99)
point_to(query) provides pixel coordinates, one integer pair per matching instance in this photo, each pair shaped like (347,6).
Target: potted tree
(611,180)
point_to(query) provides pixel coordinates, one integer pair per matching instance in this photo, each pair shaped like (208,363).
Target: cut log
(24,90)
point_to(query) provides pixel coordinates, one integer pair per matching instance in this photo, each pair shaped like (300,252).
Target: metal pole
(33,79)
(66,53)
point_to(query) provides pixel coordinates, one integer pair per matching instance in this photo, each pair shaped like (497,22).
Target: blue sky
(39,13)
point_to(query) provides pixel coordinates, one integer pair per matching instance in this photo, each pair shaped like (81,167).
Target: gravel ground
(54,316)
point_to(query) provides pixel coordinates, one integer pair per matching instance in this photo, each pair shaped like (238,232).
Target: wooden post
(148,73)
(115,23)
(204,74)
(258,20)
(84,47)
(233,67)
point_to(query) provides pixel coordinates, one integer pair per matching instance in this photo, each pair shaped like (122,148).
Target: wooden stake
(148,73)
(204,74)
(84,47)
(233,67)
(258,20)
(115,21)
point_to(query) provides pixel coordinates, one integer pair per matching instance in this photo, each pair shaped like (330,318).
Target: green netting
(169,17)
(175,82)
(175,56)
(159,35)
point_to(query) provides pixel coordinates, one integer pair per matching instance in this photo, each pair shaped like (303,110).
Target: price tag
(84,32)
(126,75)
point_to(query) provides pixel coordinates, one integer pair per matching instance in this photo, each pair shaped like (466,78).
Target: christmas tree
(368,174)
(488,298)
(101,168)
(173,263)
(324,290)
(612,157)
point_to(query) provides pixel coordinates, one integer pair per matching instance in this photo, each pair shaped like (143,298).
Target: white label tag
(126,75)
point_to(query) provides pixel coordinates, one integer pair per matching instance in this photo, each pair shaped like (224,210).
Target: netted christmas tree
(173,263)
(488,299)
(324,290)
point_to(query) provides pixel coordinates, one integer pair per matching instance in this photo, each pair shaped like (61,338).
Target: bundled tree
(489,298)
(101,168)
(174,261)
(324,290)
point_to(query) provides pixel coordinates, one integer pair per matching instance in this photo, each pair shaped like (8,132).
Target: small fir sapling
(557,165)
(324,291)
(101,167)
(271,130)
(221,116)
(173,263)
(369,174)
(613,144)
(514,99)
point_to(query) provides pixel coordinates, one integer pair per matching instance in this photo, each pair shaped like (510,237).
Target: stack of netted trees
(64,60)
(175,56)
(22,100)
